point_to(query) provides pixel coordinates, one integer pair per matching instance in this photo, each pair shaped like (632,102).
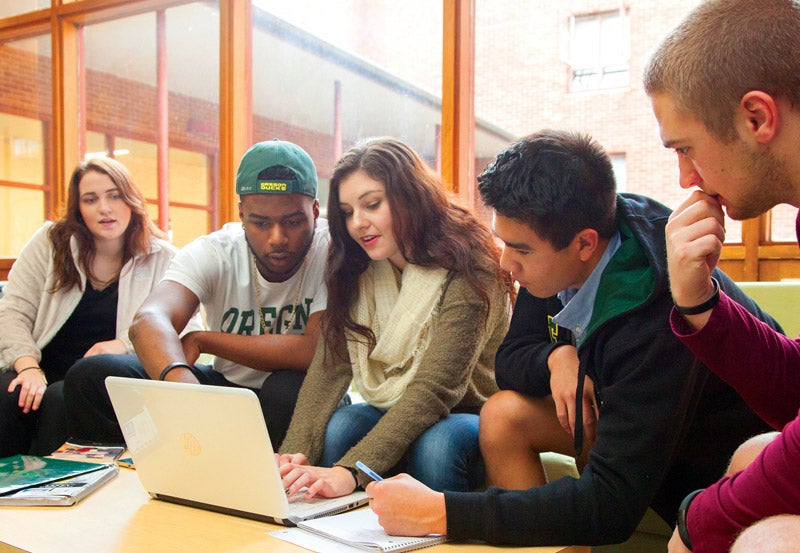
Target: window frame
(599,69)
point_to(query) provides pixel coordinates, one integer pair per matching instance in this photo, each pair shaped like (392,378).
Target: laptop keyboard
(301,506)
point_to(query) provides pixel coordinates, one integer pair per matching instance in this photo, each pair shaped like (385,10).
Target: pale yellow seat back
(780,299)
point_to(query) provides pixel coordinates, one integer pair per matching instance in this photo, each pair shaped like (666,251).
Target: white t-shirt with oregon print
(218,269)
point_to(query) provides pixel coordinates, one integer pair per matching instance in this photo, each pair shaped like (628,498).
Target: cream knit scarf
(401,317)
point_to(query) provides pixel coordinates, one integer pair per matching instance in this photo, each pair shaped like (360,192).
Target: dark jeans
(38,432)
(90,415)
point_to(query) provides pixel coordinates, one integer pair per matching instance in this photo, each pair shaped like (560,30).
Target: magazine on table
(61,492)
(89,452)
(25,471)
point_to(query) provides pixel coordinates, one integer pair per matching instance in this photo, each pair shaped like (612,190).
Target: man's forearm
(157,345)
(263,352)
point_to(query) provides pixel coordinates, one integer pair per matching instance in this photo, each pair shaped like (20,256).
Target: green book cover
(61,492)
(23,471)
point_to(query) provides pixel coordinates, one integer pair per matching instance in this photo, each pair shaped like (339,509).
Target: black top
(667,425)
(94,320)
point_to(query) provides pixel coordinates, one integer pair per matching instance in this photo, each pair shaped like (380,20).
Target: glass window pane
(191,201)
(349,68)
(96,145)
(620,171)
(612,39)
(140,158)
(25,106)
(184,224)
(21,149)
(188,171)
(523,74)
(17,7)
(404,38)
(123,110)
(733,231)
(21,213)
(783,223)
(599,50)
(152,210)
(584,43)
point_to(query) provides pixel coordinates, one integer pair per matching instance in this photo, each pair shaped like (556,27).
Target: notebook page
(361,529)
(313,542)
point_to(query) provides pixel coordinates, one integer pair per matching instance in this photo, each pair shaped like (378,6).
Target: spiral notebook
(360,529)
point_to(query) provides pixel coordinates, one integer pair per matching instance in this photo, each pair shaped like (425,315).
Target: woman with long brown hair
(72,293)
(417,306)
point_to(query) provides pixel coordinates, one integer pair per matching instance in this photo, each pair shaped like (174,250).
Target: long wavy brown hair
(430,229)
(138,235)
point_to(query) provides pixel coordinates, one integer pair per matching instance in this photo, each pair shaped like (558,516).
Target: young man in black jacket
(588,368)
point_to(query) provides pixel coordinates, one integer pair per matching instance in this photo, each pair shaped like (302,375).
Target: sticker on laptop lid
(140,432)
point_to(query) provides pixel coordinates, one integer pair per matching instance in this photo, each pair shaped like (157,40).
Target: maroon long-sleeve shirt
(764,367)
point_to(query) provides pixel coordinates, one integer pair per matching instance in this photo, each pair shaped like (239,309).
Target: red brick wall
(127,108)
(25,83)
(522,82)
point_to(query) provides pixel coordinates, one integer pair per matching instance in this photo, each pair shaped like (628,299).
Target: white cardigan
(30,316)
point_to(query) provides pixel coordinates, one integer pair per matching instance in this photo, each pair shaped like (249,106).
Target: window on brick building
(599,50)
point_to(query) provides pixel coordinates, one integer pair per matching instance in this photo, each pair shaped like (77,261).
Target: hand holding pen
(407,507)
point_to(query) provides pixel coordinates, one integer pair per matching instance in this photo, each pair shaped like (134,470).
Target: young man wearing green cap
(260,283)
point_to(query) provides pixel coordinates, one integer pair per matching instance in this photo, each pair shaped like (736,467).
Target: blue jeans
(445,457)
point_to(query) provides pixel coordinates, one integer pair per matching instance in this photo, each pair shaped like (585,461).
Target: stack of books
(30,480)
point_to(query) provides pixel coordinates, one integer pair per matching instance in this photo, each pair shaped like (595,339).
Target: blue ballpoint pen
(368,471)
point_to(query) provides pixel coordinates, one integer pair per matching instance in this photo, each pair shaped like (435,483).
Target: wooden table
(121,517)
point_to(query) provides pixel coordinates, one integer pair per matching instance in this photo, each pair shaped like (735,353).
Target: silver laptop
(208,447)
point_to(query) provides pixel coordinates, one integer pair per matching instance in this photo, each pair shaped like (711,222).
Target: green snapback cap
(276,167)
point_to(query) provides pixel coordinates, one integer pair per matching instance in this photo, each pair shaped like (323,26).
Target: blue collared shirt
(579,302)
